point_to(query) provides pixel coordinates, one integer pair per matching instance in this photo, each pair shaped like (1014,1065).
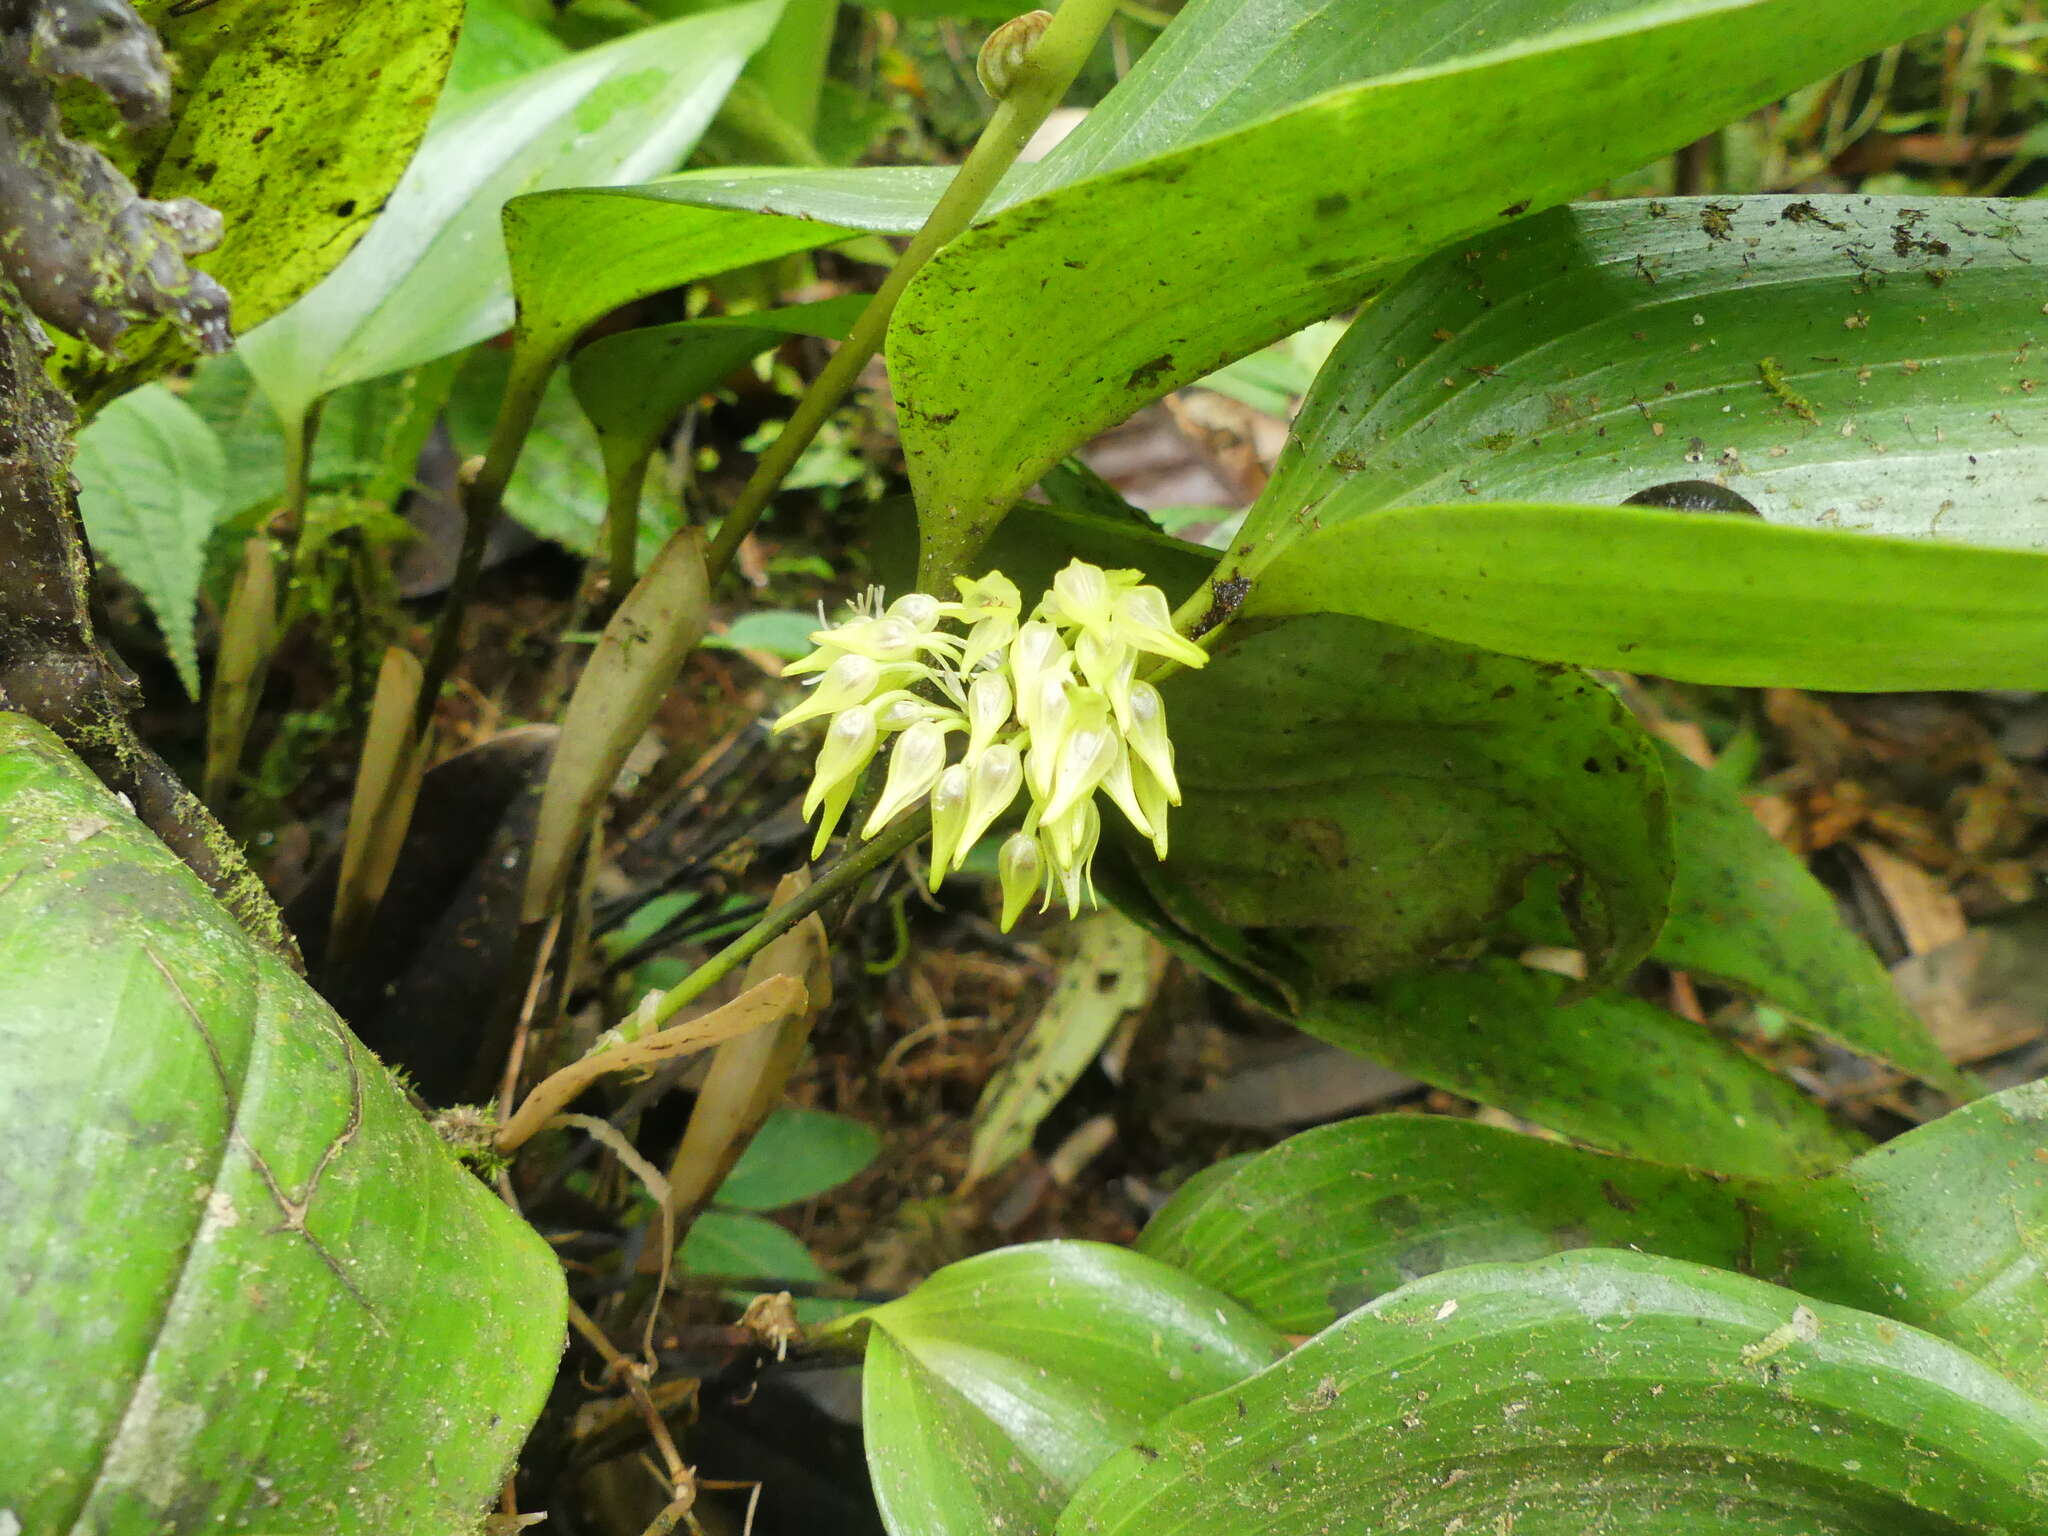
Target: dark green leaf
(1843,362)
(1945,1228)
(1942,1228)
(1711,599)
(1362,800)
(1611,1070)
(1164,268)
(1744,910)
(632,385)
(1185,88)
(798,1153)
(1329,1219)
(1595,1394)
(246,1288)
(995,1387)
(745,1247)
(152,485)
(430,278)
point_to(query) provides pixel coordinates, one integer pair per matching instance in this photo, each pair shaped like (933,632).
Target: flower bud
(915,764)
(1086,750)
(1122,790)
(1036,650)
(1148,739)
(992,783)
(988,711)
(1142,619)
(1151,798)
(849,745)
(1071,843)
(1081,594)
(850,680)
(1020,868)
(1007,54)
(919,610)
(949,815)
(1109,665)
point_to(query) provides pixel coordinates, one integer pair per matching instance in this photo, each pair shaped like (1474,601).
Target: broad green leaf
(938,1464)
(1362,800)
(745,1247)
(1163,269)
(1001,1382)
(1327,1220)
(1706,598)
(1843,362)
(790,66)
(1109,973)
(1611,1069)
(580,254)
(431,277)
(295,121)
(246,1287)
(576,256)
(1744,910)
(152,485)
(1945,1228)
(1594,1394)
(633,384)
(1223,64)
(796,1154)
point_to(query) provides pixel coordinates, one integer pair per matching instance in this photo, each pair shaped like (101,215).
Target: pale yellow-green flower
(1050,707)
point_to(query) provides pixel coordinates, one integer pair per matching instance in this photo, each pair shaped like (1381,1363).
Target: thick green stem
(298,491)
(483,497)
(624,484)
(1054,61)
(843,876)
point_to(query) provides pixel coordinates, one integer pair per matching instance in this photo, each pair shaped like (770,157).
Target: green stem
(843,876)
(483,497)
(1054,61)
(298,491)
(624,485)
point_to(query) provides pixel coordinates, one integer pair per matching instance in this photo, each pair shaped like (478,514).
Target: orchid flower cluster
(1049,707)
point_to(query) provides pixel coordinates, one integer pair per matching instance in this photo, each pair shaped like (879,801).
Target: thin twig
(628,1374)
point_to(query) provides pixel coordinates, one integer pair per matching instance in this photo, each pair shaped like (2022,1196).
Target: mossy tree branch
(81,251)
